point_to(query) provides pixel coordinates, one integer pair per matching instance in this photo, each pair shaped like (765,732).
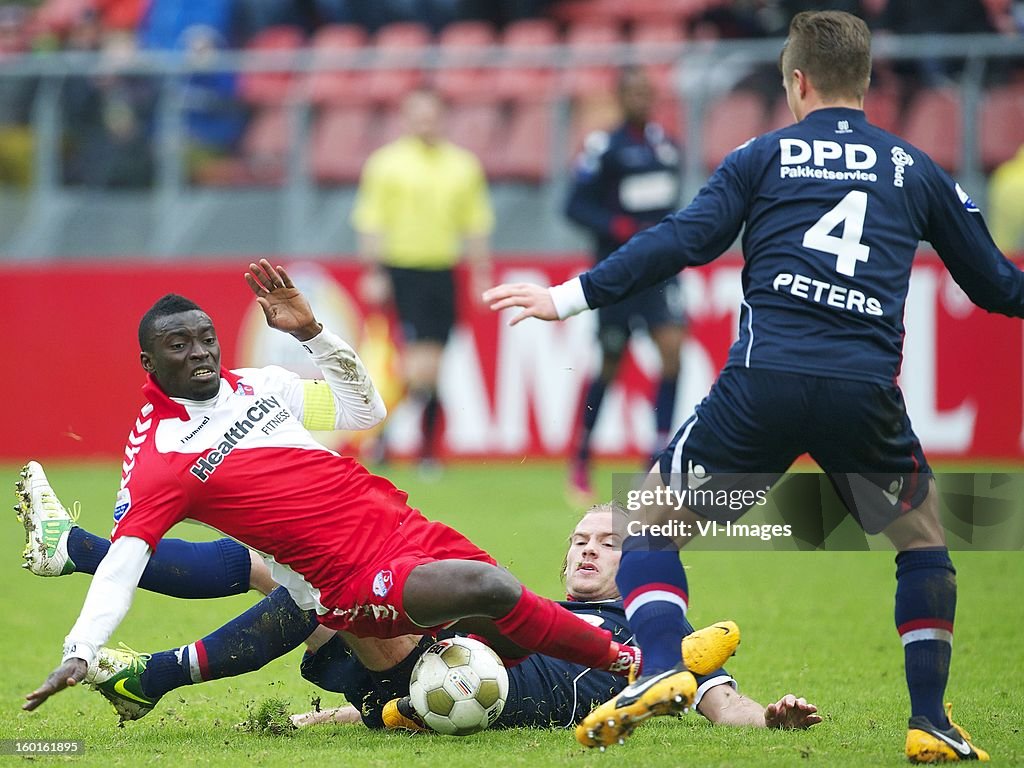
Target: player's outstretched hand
(790,713)
(535,300)
(70,673)
(284,306)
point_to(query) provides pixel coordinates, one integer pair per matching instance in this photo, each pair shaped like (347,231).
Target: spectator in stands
(422,202)
(108,117)
(625,181)
(214,115)
(17,95)
(1006,204)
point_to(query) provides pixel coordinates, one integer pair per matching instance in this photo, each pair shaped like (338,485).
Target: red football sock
(543,626)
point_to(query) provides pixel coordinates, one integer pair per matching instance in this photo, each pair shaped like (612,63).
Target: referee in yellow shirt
(422,203)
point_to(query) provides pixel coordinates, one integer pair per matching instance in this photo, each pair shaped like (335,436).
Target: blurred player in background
(422,203)
(831,210)
(625,181)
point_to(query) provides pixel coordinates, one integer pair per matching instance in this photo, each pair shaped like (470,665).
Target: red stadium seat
(659,32)
(478,128)
(336,47)
(934,124)
(270,88)
(464,49)
(677,12)
(403,43)
(882,107)
(670,112)
(575,11)
(1001,126)
(264,153)
(59,16)
(586,41)
(520,78)
(730,122)
(389,125)
(339,144)
(524,154)
(780,117)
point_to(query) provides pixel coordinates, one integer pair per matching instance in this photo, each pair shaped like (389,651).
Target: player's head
(636,95)
(593,557)
(423,113)
(830,52)
(180,348)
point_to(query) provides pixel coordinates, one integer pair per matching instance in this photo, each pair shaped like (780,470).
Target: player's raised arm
(349,400)
(284,306)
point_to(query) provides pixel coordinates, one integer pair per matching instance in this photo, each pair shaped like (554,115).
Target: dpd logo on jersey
(900,160)
(382,583)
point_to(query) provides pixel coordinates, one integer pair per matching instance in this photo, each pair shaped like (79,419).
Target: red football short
(370,605)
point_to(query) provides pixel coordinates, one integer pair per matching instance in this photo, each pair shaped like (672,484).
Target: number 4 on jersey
(848,249)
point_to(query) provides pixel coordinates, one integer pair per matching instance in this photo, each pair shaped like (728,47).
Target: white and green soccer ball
(459,686)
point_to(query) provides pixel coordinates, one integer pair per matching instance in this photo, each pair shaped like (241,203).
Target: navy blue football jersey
(544,691)
(624,181)
(831,211)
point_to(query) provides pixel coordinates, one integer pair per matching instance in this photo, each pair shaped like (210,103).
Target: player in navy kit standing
(831,209)
(625,181)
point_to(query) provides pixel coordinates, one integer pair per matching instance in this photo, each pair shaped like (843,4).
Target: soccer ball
(458,686)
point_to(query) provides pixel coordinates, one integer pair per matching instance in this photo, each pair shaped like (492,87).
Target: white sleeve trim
(359,404)
(109,598)
(568,298)
(713,682)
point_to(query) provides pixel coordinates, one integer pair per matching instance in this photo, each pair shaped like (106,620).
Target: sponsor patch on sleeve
(965,199)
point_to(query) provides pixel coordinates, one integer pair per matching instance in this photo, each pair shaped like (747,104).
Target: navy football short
(755,423)
(653,307)
(425,302)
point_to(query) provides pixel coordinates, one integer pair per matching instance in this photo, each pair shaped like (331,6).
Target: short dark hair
(169,304)
(833,49)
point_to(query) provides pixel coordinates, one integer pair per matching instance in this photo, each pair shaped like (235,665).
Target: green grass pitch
(817,624)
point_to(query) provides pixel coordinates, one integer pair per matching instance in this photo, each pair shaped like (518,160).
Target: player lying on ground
(232,450)
(543,691)
(831,211)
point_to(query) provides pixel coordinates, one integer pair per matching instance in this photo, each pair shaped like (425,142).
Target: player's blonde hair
(833,49)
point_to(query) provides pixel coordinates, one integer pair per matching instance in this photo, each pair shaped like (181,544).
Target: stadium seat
(271,88)
(336,46)
(525,152)
(660,32)
(1001,126)
(404,43)
(478,128)
(934,124)
(263,157)
(575,11)
(586,41)
(670,112)
(521,78)
(882,107)
(340,144)
(465,47)
(58,16)
(730,122)
(677,12)
(780,117)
